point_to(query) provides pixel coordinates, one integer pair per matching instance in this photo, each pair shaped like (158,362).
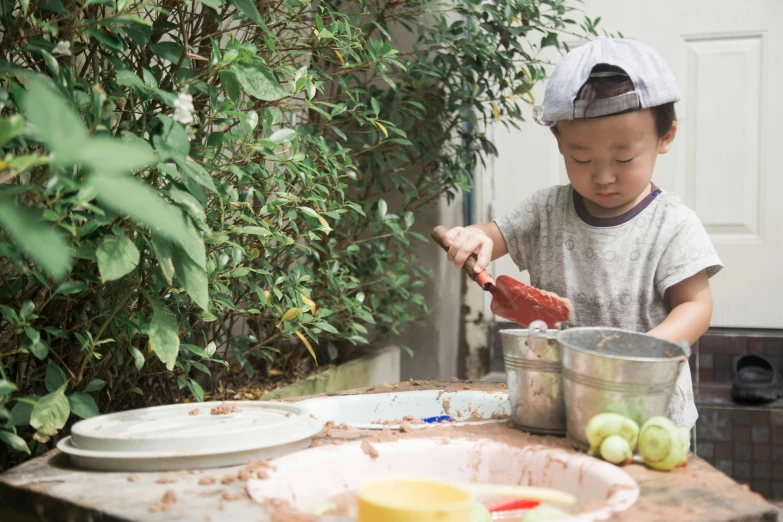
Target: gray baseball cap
(653,81)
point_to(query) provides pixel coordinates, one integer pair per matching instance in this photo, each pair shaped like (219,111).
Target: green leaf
(138,358)
(127,195)
(37,240)
(326,327)
(196,389)
(95,385)
(281,135)
(214,4)
(106,154)
(10,128)
(130,79)
(49,415)
(117,256)
(55,6)
(310,212)
(249,9)
(20,414)
(70,287)
(139,32)
(57,125)
(56,332)
(196,172)
(215,139)
(6,386)
(28,161)
(193,278)
(272,115)
(170,51)
(110,41)
(258,81)
(549,39)
(189,203)
(32,334)
(163,253)
(229,57)
(28,307)
(164,337)
(51,63)
(173,142)
(230,83)
(83,405)
(332,351)
(55,377)
(195,349)
(14,442)
(256,231)
(39,348)
(382,208)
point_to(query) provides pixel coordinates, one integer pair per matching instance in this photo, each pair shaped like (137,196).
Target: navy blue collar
(589,219)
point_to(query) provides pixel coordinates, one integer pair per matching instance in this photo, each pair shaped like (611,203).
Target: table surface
(49,488)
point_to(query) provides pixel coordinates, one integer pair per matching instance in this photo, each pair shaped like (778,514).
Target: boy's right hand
(463,242)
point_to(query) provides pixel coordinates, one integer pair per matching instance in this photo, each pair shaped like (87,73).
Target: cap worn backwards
(653,81)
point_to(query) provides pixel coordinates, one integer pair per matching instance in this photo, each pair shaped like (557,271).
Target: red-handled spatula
(512,299)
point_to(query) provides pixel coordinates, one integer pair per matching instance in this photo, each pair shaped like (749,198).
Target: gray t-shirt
(615,271)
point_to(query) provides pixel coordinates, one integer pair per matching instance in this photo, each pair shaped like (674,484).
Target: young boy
(626,253)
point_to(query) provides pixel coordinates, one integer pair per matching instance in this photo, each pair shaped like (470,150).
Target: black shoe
(756,380)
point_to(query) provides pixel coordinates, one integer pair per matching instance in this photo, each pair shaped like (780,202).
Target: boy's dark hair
(602,87)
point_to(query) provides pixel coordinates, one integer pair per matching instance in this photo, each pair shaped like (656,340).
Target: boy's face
(610,160)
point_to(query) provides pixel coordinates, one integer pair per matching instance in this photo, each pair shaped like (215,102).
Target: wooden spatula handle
(438,235)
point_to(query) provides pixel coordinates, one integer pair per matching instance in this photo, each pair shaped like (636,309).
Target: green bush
(187,181)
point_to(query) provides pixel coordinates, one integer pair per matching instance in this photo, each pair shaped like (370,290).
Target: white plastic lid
(178,433)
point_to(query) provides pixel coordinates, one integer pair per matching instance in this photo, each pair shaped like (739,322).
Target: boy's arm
(691,302)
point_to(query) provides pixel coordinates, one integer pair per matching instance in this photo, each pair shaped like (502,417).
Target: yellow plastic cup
(413,500)
(406,499)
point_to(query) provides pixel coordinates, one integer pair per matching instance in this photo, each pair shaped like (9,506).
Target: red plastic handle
(511,504)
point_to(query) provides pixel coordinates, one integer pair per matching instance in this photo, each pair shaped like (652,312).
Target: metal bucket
(613,370)
(532,359)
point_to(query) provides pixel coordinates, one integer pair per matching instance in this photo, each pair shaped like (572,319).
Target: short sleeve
(689,251)
(520,229)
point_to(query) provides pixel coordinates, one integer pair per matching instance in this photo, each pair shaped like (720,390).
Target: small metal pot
(533,373)
(619,371)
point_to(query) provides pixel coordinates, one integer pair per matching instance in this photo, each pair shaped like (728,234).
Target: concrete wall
(453,341)
(436,342)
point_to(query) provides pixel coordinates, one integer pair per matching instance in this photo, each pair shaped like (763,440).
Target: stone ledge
(370,370)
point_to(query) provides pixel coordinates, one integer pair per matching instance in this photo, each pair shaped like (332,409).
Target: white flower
(184,117)
(183,112)
(184,101)
(63,48)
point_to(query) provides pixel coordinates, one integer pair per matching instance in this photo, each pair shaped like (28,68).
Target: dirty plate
(389,410)
(189,436)
(333,473)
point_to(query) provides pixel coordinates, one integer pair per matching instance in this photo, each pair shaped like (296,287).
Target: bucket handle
(537,329)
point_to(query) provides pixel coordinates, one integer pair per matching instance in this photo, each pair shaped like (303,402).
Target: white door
(727,158)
